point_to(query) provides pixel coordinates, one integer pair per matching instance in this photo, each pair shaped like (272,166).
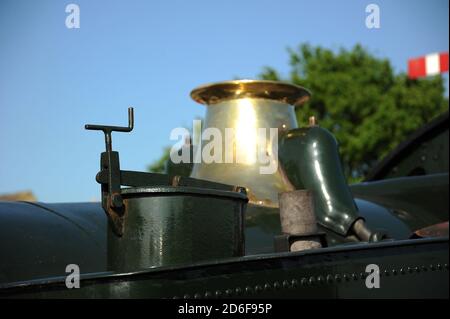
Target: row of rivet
(310,281)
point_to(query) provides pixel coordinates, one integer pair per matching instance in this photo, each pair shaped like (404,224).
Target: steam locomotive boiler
(270,217)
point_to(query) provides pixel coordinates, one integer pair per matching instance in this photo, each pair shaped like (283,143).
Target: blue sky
(150,54)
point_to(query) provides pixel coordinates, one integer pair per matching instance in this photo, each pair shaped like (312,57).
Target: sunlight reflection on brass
(245,106)
(246,141)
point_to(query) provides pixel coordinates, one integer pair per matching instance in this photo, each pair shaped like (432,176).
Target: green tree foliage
(361,101)
(159,166)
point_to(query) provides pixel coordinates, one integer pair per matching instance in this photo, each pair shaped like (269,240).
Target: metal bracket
(112,201)
(283,242)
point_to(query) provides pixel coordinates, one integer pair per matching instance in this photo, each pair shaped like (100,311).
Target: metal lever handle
(107,129)
(112,201)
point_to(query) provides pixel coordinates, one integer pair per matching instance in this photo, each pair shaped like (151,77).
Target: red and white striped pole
(430,64)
